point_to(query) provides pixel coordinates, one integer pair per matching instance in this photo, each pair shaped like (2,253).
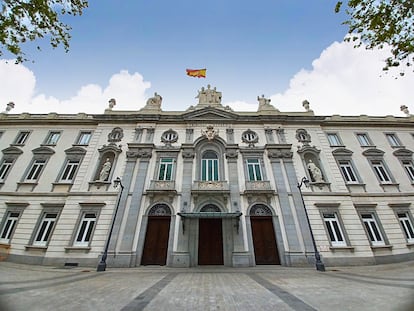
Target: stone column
(150,135)
(230,136)
(278,155)
(299,208)
(126,182)
(281,135)
(181,258)
(138,134)
(126,256)
(189,136)
(269,136)
(240,256)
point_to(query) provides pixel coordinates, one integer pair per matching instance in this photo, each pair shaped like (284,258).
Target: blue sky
(288,50)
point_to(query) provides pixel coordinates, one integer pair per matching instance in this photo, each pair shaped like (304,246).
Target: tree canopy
(28,20)
(378,23)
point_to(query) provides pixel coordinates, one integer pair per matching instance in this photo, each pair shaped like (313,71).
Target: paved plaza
(382,287)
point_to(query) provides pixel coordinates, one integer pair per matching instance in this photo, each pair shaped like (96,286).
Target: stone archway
(157,235)
(263,235)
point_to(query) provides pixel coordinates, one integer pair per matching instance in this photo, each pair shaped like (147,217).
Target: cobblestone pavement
(382,287)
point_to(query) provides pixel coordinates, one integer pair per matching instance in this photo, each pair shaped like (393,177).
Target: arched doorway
(263,234)
(156,237)
(210,238)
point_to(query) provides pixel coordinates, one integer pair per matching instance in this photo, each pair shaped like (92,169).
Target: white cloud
(18,85)
(343,80)
(348,81)
(241,106)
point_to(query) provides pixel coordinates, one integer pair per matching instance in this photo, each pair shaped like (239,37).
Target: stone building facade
(206,186)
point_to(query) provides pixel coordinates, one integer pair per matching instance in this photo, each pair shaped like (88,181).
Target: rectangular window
(52,138)
(86,226)
(393,140)
(254,170)
(381,172)
(209,169)
(407,226)
(36,169)
(364,139)
(70,170)
(372,229)
(334,140)
(9,226)
(166,169)
(409,168)
(5,168)
(45,229)
(334,229)
(21,138)
(348,172)
(84,138)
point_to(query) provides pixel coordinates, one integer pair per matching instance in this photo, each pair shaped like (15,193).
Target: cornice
(207,115)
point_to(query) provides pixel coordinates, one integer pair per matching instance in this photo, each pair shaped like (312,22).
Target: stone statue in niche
(106,168)
(315,172)
(154,102)
(209,96)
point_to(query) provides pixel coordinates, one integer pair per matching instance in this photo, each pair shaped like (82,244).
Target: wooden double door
(264,241)
(156,241)
(210,241)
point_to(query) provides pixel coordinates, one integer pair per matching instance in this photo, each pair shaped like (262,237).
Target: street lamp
(102,263)
(319,264)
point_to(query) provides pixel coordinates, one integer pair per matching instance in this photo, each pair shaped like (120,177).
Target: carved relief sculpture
(210,133)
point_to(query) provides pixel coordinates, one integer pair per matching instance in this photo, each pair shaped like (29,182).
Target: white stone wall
(80,191)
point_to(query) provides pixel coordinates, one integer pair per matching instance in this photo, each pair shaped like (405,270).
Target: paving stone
(383,287)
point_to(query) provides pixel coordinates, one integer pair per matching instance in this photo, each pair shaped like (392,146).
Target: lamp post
(102,263)
(318,262)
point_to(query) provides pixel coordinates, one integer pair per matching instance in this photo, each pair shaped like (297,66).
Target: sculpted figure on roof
(264,104)
(154,103)
(209,96)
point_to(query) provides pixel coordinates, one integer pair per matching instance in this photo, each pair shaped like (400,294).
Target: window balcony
(213,186)
(162,186)
(258,186)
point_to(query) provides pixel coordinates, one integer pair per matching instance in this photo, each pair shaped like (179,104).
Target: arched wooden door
(157,235)
(263,234)
(210,238)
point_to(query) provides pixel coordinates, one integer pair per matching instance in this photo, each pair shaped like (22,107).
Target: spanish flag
(199,73)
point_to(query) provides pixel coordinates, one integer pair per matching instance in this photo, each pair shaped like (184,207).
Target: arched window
(210,208)
(160,210)
(260,210)
(209,166)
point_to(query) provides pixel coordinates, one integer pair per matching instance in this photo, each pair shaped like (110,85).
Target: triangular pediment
(209,114)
